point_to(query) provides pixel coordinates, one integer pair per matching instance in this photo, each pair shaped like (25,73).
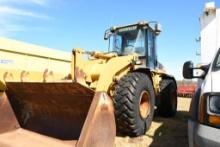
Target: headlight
(214,110)
(214,104)
(209,109)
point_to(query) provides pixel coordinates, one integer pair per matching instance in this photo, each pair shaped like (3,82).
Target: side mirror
(158,28)
(108,33)
(205,68)
(188,70)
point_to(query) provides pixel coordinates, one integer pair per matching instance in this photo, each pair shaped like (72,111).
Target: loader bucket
(51,114)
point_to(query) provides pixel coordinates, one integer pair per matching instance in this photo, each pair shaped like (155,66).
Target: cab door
(215,78)
(151,49)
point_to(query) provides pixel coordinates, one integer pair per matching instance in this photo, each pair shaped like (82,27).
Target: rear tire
(134,102)
(168,99)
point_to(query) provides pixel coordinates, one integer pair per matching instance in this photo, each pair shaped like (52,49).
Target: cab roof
(142,24)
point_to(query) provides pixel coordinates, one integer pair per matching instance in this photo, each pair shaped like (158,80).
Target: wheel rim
(144,105)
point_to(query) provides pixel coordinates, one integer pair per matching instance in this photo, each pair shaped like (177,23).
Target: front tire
(134,102)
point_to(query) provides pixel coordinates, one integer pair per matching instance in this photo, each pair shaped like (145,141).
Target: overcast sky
(64,24)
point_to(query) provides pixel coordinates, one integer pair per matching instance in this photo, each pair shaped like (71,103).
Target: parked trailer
(24,62)
(186,90)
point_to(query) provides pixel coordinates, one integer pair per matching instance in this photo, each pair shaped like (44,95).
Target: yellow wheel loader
(110,92)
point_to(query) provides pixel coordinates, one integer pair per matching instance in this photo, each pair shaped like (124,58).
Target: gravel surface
(164,132)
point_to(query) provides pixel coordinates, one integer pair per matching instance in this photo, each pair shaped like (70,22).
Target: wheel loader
(114,92)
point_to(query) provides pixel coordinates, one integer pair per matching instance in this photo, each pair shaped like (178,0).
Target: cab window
(217,61)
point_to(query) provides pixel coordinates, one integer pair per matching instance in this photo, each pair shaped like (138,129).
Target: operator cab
(136,38)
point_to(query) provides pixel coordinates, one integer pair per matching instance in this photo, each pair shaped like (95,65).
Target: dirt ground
(164,132)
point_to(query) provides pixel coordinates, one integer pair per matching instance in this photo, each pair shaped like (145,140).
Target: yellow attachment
(97,54)
(99,73)
(113,67)
(156,81)
(79,64)
(2,86)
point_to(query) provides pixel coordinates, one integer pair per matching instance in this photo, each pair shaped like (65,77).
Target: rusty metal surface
(99,129)
(25,138)
(8,120)
(53,109)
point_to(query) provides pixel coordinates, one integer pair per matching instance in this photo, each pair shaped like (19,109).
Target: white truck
(204,121)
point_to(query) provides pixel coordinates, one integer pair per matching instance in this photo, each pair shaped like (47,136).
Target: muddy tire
(168,99)
(134,102)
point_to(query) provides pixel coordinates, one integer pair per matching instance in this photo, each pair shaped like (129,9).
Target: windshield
(217,61)
(129,41)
